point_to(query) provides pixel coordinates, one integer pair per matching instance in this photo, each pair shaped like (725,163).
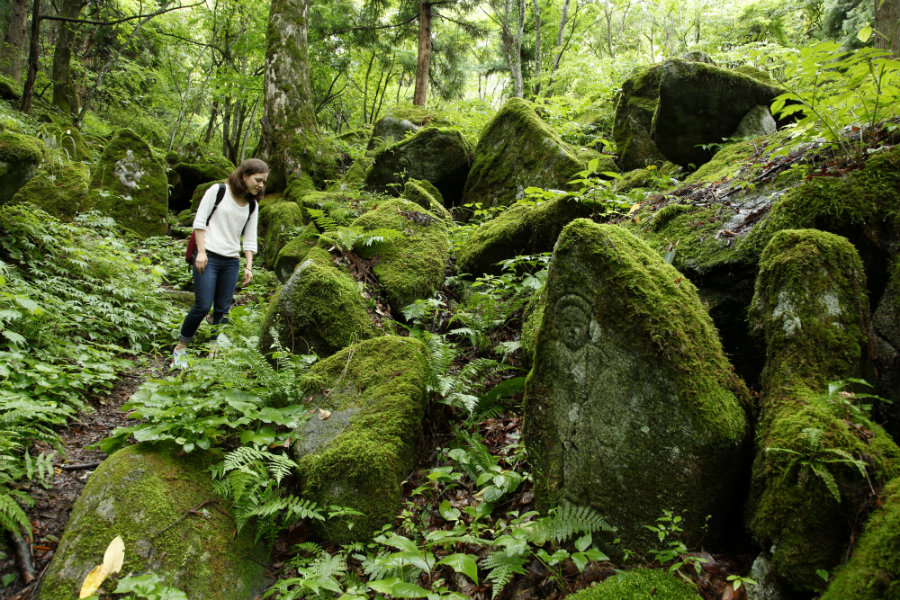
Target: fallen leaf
(112,563)
(324,414)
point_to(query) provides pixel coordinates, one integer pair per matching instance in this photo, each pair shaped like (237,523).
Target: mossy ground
(412,265)
(517,149)
(383,381)
(640,584)
(319,310)
(145,494)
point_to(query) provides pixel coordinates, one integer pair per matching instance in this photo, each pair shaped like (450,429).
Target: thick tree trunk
(63,86)
(290,132)
(14,44)
(423,61)
(887,23)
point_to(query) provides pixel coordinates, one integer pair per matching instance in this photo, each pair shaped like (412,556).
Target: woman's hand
(201,260)
(248,275)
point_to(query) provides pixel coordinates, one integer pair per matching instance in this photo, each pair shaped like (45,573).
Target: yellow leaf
(324,414)
(114,556)
(634,208)
(112,563)
(92,582)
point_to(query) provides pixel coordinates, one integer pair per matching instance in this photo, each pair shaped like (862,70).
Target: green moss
(279,223)
(294,252)
(531,323)
(375,391)
(517,149)
(811,308)
(299,188)
(62,192)
(418,115)
(627,356)
(755,73)
(19,148)
(330,210)
(354,178)
(727,162)
(520,229)
(412,265)
(145,494)
(640,584)
(319,310)
(131,186)
(873,572)
(428,197)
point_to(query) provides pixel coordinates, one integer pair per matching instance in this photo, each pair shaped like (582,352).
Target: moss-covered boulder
(640,584)
(532,316)
(331,210)
(886,324)
(410,265)
(279,223)
(360,455)
(812,443)
(353,178)
(873,572)
(66,141)
(520,229)
(130,185)
(631,406)
(319,310)
(148,496)
(700,104)
(10,90)
(184,177)
(62,191)
(439,155)
(517,150)
(294,252)
(390,130)
(428,197)
(20,156)
(634,119)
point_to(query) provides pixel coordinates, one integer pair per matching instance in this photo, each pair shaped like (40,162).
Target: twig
(79,467)
(191,511)
(23,554)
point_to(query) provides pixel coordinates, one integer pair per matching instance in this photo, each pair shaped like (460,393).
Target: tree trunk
(887,23)
(423,60)
(537,48)
(560,48)
(33,56)
(14,44)
(291,135)
(63,86)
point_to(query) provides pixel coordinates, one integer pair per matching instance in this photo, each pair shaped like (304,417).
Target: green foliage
(668,529)
(832,90)
(147,587)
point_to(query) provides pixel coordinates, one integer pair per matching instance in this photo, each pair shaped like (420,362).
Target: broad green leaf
(396,587)
(462,563)
(448,512)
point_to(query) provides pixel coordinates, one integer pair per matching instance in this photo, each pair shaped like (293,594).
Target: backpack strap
(219,195)
(249,214)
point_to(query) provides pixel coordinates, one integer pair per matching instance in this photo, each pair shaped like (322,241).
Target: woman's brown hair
(251,166)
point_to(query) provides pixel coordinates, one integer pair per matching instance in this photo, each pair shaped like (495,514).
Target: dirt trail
(53,505)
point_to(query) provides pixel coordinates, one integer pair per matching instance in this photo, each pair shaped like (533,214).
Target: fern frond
(501,566)
(567,520)
(12,517)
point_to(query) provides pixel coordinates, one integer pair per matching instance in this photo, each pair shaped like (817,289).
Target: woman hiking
(227,213)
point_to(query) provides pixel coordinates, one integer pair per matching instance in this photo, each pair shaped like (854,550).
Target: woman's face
(255,182)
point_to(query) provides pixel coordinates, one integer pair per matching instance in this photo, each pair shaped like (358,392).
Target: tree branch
(117,21)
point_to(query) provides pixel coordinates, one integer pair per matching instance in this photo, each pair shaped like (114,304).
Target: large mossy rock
(390,130)
(361,454)
(640,584)
(886,324)
(130,185)
(873,572)
(294,252)
(811,308)
(319,310)
(428,197)
(184,177)
(700,104)
(441,156)
(634,119)
(279,223)
(331,210)
(517,150)
(20,156)
(520,229)
(146,495)
(631,406)
(62,192)
(411,265)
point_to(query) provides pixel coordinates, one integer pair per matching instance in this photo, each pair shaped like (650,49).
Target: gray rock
(757,122)
(389,130)
(634,120)
(768,587)
(631,406)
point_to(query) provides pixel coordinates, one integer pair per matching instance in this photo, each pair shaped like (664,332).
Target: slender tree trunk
(887,23)
(211,125)
(34,50)
(63,86)
(291,140)
(366,89)
(14,44)
(537,48)
(247,132)
(560,48)
(423,61)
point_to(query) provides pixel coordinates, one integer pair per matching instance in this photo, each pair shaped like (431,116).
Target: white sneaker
(179,360)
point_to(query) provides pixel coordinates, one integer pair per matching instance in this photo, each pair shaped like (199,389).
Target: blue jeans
(215,285)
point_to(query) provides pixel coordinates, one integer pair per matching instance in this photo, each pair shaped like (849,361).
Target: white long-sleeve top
(223,235)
